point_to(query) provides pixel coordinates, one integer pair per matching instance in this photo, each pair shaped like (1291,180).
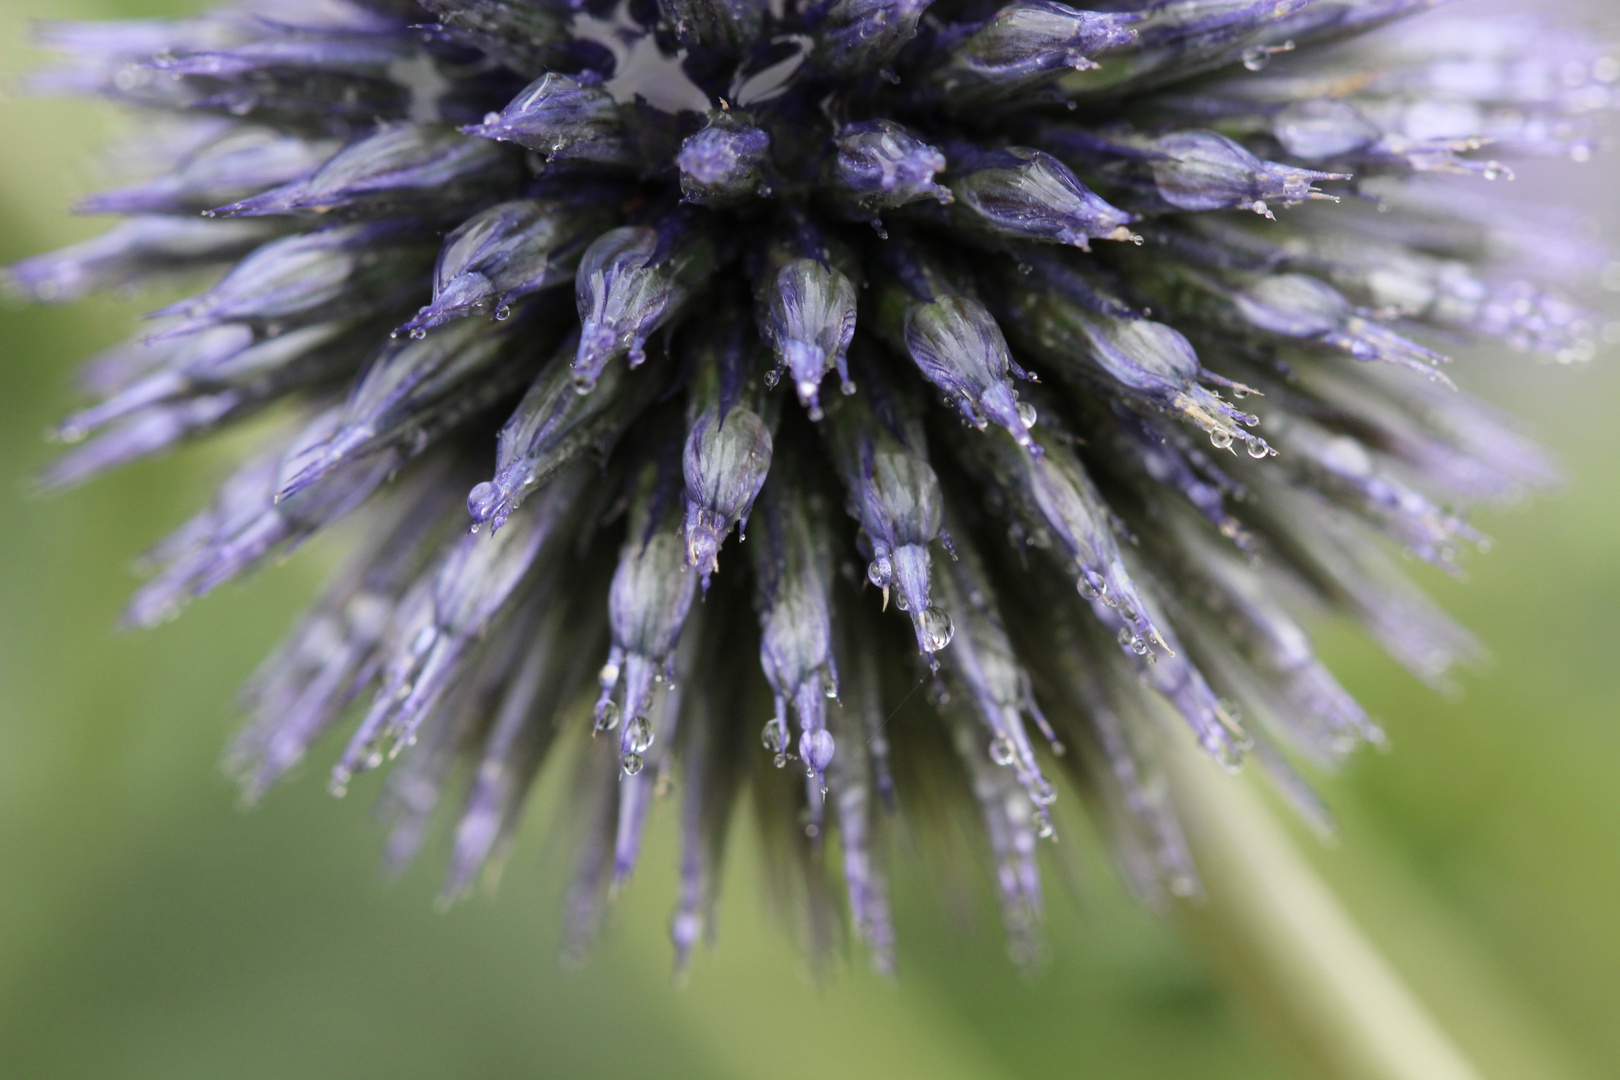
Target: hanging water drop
(607,717)
(1002,750)
(639,735)
(632,763)
(1220,438)
(935,629)
(774,737)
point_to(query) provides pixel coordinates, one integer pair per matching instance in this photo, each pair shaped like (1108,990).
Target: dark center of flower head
(960,308)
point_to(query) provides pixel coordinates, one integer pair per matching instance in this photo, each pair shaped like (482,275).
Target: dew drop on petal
(1220,439)
(640,734)
(632,763)
(1027,414)
(1001,750)
(774,739)
(935,628)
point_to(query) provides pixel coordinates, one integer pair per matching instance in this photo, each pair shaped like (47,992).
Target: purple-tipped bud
(1027,45)
(420,169)
(225,358)
(648,601)
(983,661)
(728,436)
(894,493)
(347,271)
(1201,170)
(471,586)
(248,524)
(631,281)
(1303,307)
(567,119)
(232,167)
(552,426)
(131,253)
(521,34)
(793,573)
(1134,357)
(1178,41)
(724,163)
(1323,128)
(413,391)
(726,27)
(959,348)
(363,55)
(507,252)
(1030,195)
(805,307)
(855,36)
(880,166)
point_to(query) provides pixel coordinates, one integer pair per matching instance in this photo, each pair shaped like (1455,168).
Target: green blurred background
(147,929)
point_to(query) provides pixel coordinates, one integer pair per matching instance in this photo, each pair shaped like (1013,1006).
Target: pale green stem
(1286,938)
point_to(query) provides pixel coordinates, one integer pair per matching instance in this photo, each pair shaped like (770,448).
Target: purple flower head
(546,297)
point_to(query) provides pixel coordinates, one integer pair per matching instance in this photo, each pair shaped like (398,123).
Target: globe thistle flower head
(1060,363)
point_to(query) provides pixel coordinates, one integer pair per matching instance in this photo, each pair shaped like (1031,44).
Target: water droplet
(632,763)
(417,334)
(1002,750)
(772,377)
(1042,823)
(1495,170)
(1042,791)
(774,738)
(639,735)
(1258,448)
(878,573)
(503,313)
(1256,57)
(935,629)
(1027,414)
(1220,439)
(607,716)
(1092,585)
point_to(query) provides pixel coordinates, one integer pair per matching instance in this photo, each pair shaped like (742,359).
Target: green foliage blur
(148,930)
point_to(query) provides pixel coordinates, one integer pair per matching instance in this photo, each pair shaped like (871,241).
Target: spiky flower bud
(645,215)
